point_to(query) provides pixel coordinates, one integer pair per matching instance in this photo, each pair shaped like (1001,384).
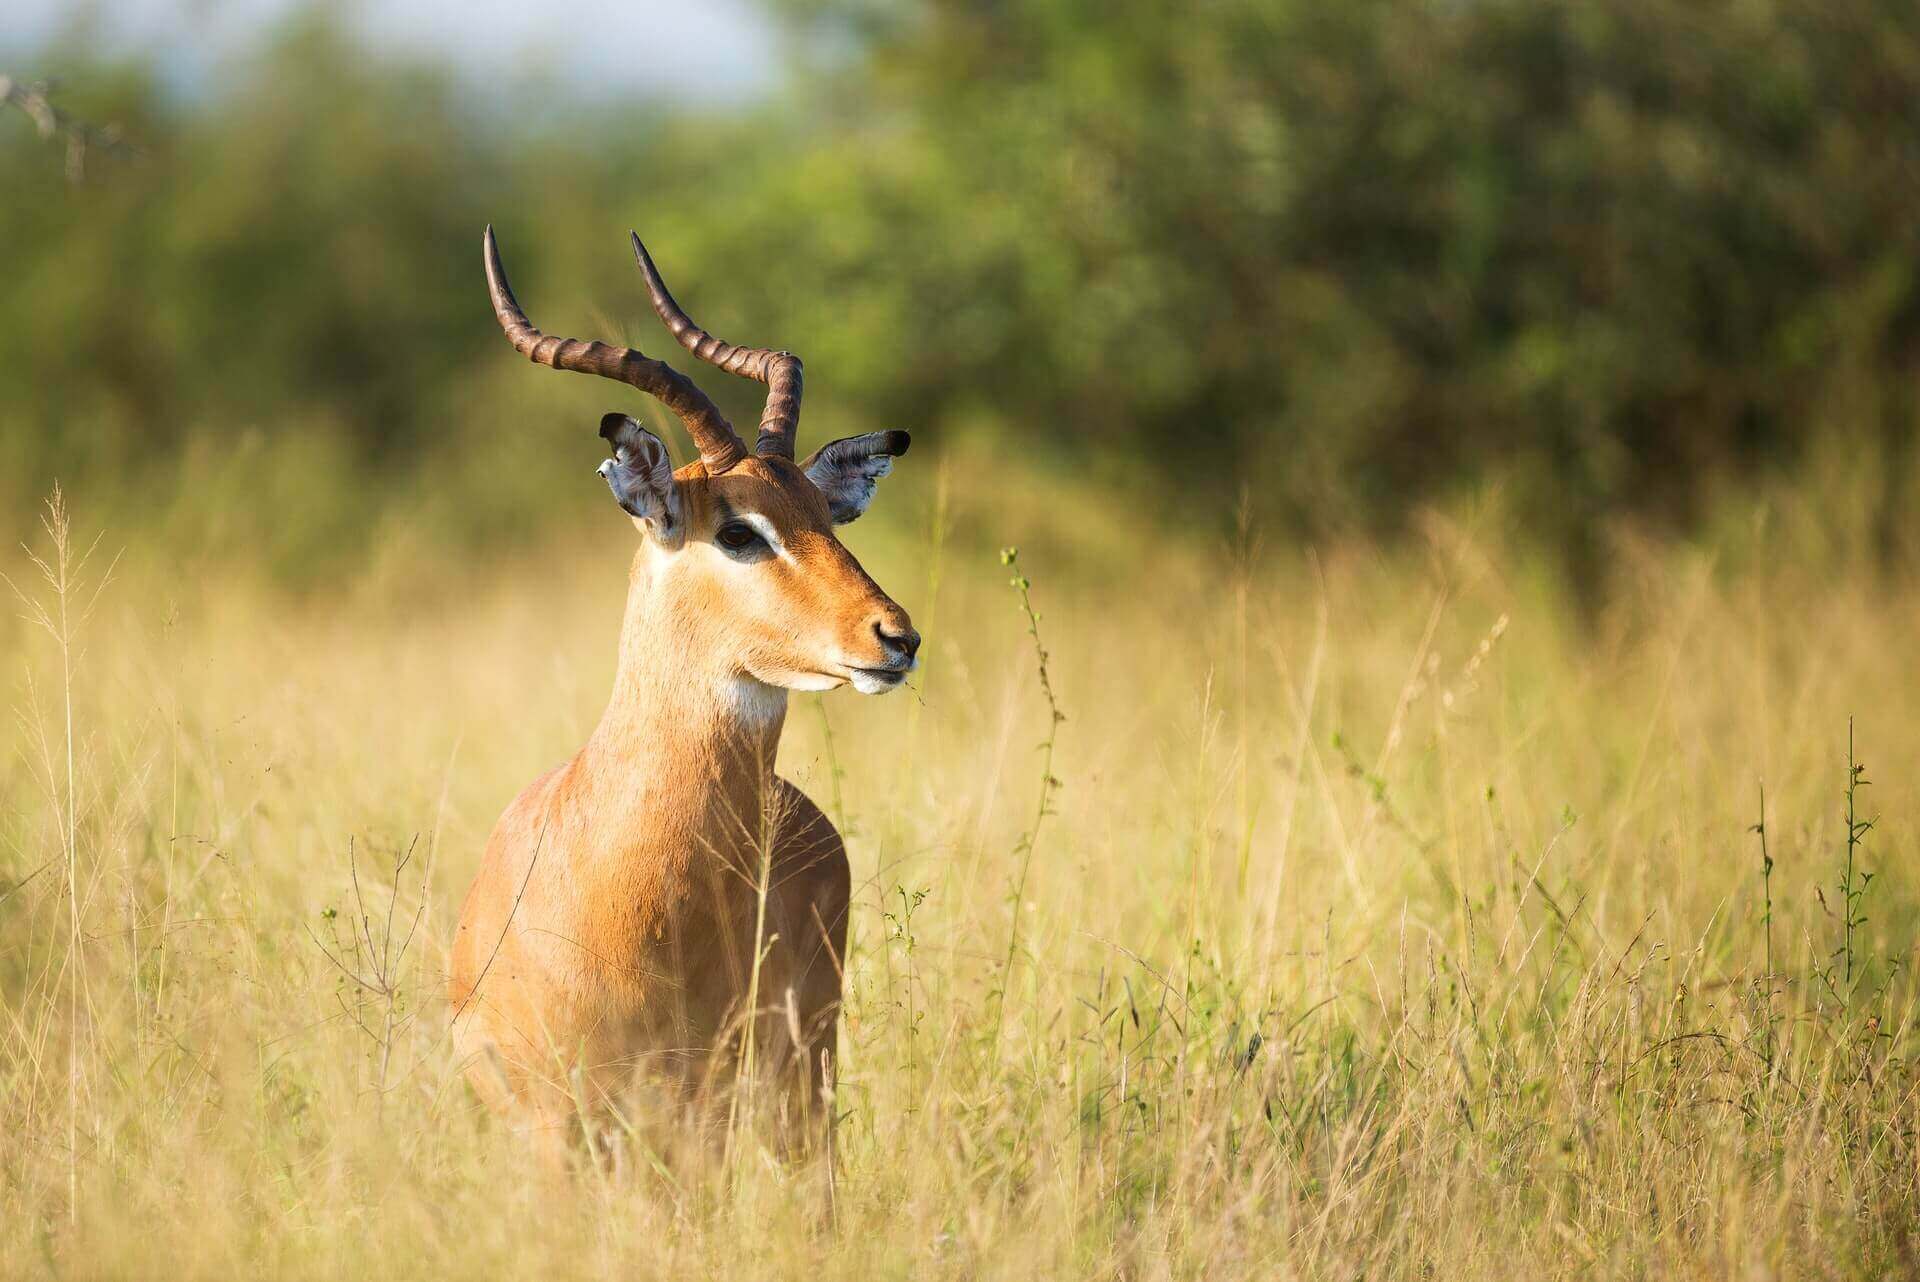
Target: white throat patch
(755,702)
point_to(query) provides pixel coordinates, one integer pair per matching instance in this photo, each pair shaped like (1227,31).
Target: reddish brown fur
(608,939)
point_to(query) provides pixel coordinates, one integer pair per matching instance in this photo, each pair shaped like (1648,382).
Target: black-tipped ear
(640,474)
(847,470)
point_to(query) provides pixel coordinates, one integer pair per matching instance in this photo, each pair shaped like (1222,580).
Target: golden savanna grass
(1395,913)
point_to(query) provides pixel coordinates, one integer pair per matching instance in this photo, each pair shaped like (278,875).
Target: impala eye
(738,536)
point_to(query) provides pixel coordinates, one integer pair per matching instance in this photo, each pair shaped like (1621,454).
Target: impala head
(743,542)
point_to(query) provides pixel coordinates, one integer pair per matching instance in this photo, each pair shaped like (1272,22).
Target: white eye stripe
(764,528)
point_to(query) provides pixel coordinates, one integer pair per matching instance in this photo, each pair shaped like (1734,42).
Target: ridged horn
(719,445)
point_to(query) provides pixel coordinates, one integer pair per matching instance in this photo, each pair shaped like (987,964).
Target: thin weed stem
(1023,849)
(1766,922)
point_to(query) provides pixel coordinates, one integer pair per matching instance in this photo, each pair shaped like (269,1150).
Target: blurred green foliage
(1612,255)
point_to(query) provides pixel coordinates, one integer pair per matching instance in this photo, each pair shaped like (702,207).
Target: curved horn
(780,371)
(720,448)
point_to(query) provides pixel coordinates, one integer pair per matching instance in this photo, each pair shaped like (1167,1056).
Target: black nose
(906,644)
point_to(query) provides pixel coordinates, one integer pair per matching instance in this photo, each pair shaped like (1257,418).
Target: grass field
(1395,913)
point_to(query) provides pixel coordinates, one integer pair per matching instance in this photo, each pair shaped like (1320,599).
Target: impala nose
(898,640)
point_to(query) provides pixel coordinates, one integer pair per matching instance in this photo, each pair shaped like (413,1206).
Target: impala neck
(678,703)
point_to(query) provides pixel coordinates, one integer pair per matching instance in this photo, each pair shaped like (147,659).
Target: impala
(663,901)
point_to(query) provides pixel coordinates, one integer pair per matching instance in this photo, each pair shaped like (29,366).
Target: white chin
(877,682)
(810,681)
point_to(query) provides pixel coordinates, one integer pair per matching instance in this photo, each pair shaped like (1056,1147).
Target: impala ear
(847,470)
(640,474)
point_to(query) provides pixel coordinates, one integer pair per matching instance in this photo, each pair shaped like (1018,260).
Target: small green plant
(1854,879)
(901,938)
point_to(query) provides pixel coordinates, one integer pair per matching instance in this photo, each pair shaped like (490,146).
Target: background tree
(1610,257)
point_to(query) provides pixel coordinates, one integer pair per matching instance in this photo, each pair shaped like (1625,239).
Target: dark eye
(737,536)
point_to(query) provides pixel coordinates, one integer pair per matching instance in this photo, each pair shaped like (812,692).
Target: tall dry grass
(1393,914)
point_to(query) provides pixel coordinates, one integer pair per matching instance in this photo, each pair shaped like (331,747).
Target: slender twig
(376,964)
(32,99)
(833,766)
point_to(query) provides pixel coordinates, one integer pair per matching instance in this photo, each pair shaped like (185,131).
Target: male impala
(617,934)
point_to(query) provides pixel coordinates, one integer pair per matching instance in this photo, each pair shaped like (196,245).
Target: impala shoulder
(534,802)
